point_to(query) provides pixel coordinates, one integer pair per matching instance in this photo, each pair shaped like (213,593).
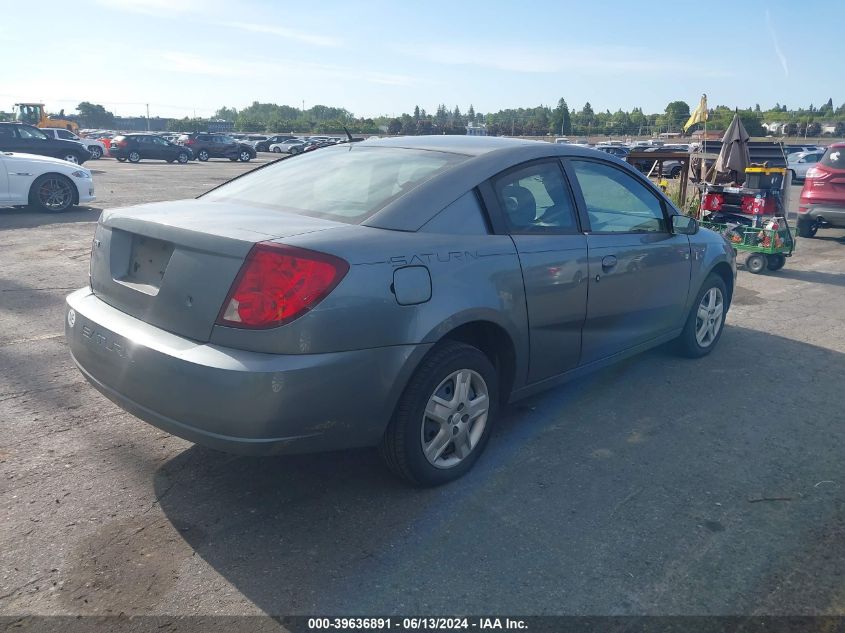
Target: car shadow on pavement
(660,485)
(29,217)
(813,276)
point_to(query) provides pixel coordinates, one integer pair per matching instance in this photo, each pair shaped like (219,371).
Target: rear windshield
(834,157)
(343,183)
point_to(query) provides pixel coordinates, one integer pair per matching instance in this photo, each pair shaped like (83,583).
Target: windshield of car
(346,184)
(834,158)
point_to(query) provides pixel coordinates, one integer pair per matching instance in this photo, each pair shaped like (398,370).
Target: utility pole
(148,117)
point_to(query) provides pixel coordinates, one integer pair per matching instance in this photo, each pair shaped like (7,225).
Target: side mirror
(684,225)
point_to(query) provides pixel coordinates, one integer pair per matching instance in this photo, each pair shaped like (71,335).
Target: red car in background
(823,196)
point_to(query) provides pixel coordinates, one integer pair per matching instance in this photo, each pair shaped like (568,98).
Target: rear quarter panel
(473,277)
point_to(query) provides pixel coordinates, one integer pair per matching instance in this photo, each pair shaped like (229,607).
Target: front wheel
(203,155)
(755,263)
(71,157)
(277,150)
(245,156)
(52,193)
(706,319)
(182,157)
(96,152)
(444,417)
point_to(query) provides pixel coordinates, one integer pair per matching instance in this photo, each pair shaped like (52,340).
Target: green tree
(676,113)
(561,123)
(227,114)
(394,127)
(840,129)
(94,115)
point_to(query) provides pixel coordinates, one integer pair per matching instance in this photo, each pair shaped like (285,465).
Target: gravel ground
(658,486)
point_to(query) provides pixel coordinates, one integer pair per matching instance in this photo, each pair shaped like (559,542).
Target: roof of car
(469,145)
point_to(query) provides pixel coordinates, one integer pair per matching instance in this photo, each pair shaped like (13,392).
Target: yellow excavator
(34,114)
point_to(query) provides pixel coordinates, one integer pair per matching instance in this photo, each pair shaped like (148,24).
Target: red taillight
(189,141)
(278,283)
(123,143)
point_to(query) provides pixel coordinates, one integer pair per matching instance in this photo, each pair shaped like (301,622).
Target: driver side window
(616,202)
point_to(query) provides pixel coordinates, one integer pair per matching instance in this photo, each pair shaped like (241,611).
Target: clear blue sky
(383,57)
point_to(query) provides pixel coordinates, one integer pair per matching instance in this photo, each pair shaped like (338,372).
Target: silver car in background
(391,293)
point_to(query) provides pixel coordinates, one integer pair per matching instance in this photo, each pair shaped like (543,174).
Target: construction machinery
(34,114)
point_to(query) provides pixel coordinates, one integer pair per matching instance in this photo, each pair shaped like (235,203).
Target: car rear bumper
(831,214)
(234,400)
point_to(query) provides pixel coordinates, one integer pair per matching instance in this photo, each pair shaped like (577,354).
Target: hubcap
(244,156)
(455,418)
(71,158)
(55,194)
(708,320)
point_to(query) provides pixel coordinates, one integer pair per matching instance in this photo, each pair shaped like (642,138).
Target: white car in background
(46,183)
(291,146)
(96,147)
(800,162)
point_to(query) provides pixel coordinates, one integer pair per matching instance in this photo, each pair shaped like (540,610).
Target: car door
(5,195)
(638,270)
(158,148)
(536,208)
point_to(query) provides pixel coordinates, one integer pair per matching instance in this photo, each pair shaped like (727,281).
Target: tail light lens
(123,143)
(279,283)
(189,141)
(814,173)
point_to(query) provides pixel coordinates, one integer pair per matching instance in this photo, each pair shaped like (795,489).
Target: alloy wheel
(55,194)
(245,156)
(455,418)
(71,158)
(708,320)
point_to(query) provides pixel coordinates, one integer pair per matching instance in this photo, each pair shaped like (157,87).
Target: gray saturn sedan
(393,292)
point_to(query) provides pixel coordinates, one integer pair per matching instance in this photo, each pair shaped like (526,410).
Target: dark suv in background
(207,146)
(136,147)
(27,139)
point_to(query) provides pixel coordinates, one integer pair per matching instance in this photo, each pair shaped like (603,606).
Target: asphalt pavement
(661,486)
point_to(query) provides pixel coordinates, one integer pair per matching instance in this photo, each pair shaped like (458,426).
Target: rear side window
(347,184)
(463,217)
(536,199)
(834,158)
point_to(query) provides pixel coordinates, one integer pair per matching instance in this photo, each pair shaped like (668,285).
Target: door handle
(608,261)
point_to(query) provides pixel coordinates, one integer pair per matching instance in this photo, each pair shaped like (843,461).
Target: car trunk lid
(171,264)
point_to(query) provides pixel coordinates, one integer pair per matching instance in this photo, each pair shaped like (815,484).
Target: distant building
(476,129)
(220,126)
(828,127)
(712,135)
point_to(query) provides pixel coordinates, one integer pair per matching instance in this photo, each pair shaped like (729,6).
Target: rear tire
(675,173)
(775,262)
(96,152)
(121,160)
(182,157)
(808,229)
(52,193)
(706,320)
(276,150)
(437,421)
